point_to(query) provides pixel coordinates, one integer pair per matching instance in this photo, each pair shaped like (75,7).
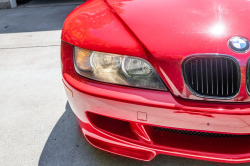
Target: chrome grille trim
(218,82)
(248,77)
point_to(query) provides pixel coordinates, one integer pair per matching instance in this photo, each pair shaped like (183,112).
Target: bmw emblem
(239,44)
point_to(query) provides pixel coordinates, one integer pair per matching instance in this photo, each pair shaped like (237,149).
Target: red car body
(130,121)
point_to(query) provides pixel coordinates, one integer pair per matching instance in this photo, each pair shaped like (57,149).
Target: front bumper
(135,111)
(171,115)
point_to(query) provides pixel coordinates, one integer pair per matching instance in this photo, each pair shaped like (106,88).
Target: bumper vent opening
(199,141)
(211,76)
(197,133)
(112,126)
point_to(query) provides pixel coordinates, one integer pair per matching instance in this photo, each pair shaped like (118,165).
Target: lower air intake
(196,133)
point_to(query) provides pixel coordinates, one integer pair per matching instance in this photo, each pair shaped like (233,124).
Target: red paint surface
(174,29)
(163,33)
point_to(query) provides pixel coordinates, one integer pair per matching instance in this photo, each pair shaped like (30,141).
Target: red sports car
(149,77)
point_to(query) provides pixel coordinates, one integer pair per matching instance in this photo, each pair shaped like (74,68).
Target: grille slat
(212,76)
(197,76)
(206,75)
(232,76)
(227,76)
(192,73)
(201,77)
(221,76)
(217,78)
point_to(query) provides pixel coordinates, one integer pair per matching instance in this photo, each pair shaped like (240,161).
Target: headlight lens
(117,69)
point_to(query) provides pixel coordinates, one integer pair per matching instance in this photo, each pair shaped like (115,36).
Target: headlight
(117,69)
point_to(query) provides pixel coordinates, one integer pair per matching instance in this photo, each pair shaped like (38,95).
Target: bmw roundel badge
(239,44)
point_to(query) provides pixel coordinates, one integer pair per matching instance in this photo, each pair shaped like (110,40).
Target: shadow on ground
(39,2)
(67,146)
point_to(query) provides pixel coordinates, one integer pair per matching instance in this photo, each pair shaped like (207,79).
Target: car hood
(172,29)
(184,27)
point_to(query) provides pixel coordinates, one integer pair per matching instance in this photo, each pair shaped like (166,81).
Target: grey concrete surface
(28,5)
(33,19)
(5,4)
(30,39)
(41,3)
(32,100)
(37,125)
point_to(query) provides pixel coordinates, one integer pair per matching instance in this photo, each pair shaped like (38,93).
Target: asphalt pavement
(37,125)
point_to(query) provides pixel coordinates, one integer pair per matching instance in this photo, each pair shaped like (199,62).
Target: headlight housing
(116,69)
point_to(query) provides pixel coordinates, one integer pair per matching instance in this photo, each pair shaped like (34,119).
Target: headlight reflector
(136,67)
(117,69)
(106,62)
